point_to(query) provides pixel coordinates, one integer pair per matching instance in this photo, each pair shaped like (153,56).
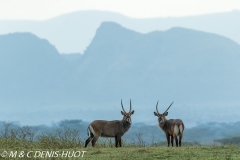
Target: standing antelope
(115,128)
(172,127)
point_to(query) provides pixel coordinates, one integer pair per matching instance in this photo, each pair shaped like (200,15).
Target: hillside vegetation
(66,139)
(75,131)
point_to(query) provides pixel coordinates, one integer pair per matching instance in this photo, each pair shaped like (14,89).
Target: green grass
(226,152)
(149,153)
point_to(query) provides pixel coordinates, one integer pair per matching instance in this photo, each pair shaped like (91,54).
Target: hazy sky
(45,9)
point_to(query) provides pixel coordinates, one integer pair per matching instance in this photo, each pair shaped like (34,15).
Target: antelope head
(127,115)
(161,117)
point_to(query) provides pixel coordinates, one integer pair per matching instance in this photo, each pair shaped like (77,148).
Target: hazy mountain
(33,73)
(178,60)
(73,57)
(198,70)
(73,32)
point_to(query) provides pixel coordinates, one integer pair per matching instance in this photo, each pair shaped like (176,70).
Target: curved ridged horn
(157,107)
(130,106)
(122,107)
(168,107)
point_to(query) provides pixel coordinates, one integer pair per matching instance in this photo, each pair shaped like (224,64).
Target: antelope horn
(122,107)
(157,107)
(168,107)
(130,106)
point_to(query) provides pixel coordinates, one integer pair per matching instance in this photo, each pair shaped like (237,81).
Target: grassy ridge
(190,152)
(70,140)
(147,153)
(105,150)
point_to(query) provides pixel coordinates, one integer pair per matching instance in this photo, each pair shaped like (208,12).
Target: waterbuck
(172,127)
(115,128)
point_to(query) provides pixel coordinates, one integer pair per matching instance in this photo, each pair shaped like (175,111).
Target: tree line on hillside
(73,133)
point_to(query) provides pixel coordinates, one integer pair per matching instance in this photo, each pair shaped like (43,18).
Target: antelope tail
(90,132)
(180,129)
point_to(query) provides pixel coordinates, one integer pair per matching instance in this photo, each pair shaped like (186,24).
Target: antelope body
(115,128)
(173,128)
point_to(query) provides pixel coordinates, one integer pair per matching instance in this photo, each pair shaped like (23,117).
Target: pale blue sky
(45,9)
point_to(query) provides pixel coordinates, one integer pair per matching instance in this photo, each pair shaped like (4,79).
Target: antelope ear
(132,112)
(165,114)
(122,113)
(155,114)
